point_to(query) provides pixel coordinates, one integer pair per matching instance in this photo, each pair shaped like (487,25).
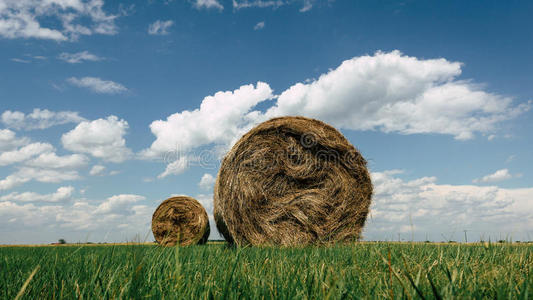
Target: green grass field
(363,270)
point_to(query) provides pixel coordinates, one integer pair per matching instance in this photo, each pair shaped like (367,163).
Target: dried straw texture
(292,181)
(180,220)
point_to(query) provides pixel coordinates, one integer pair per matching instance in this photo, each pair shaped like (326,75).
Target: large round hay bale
(292,181)
(180,220)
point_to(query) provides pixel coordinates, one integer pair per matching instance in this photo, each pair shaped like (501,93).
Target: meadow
(216,271)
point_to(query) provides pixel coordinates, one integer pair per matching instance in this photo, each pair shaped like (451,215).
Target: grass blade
(26,283)
(418,291)
(433,288)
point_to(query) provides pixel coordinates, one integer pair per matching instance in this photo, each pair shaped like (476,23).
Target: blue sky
(108,108)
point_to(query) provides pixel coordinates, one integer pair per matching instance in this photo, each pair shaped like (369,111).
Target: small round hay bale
(292,181)
(180,220)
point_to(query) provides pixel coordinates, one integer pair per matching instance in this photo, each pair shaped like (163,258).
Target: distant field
(370,270)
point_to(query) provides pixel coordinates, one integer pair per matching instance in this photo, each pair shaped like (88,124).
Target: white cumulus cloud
(208,4)
(51,160)
(97,170)
(118,218)
(25,174)
(78,57)
(207,182)
(307,5)
(392,92)
(274,4)
(39,119)
(220,119)
(22,61)
(24,153)
(101,138)
(118,203)
(160,27)
(499,175)
(258,3)
(62,194)
(58,20)
(177,166)
(420,207)
(39,162)
(10,141)
(98,85)
(259,25)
